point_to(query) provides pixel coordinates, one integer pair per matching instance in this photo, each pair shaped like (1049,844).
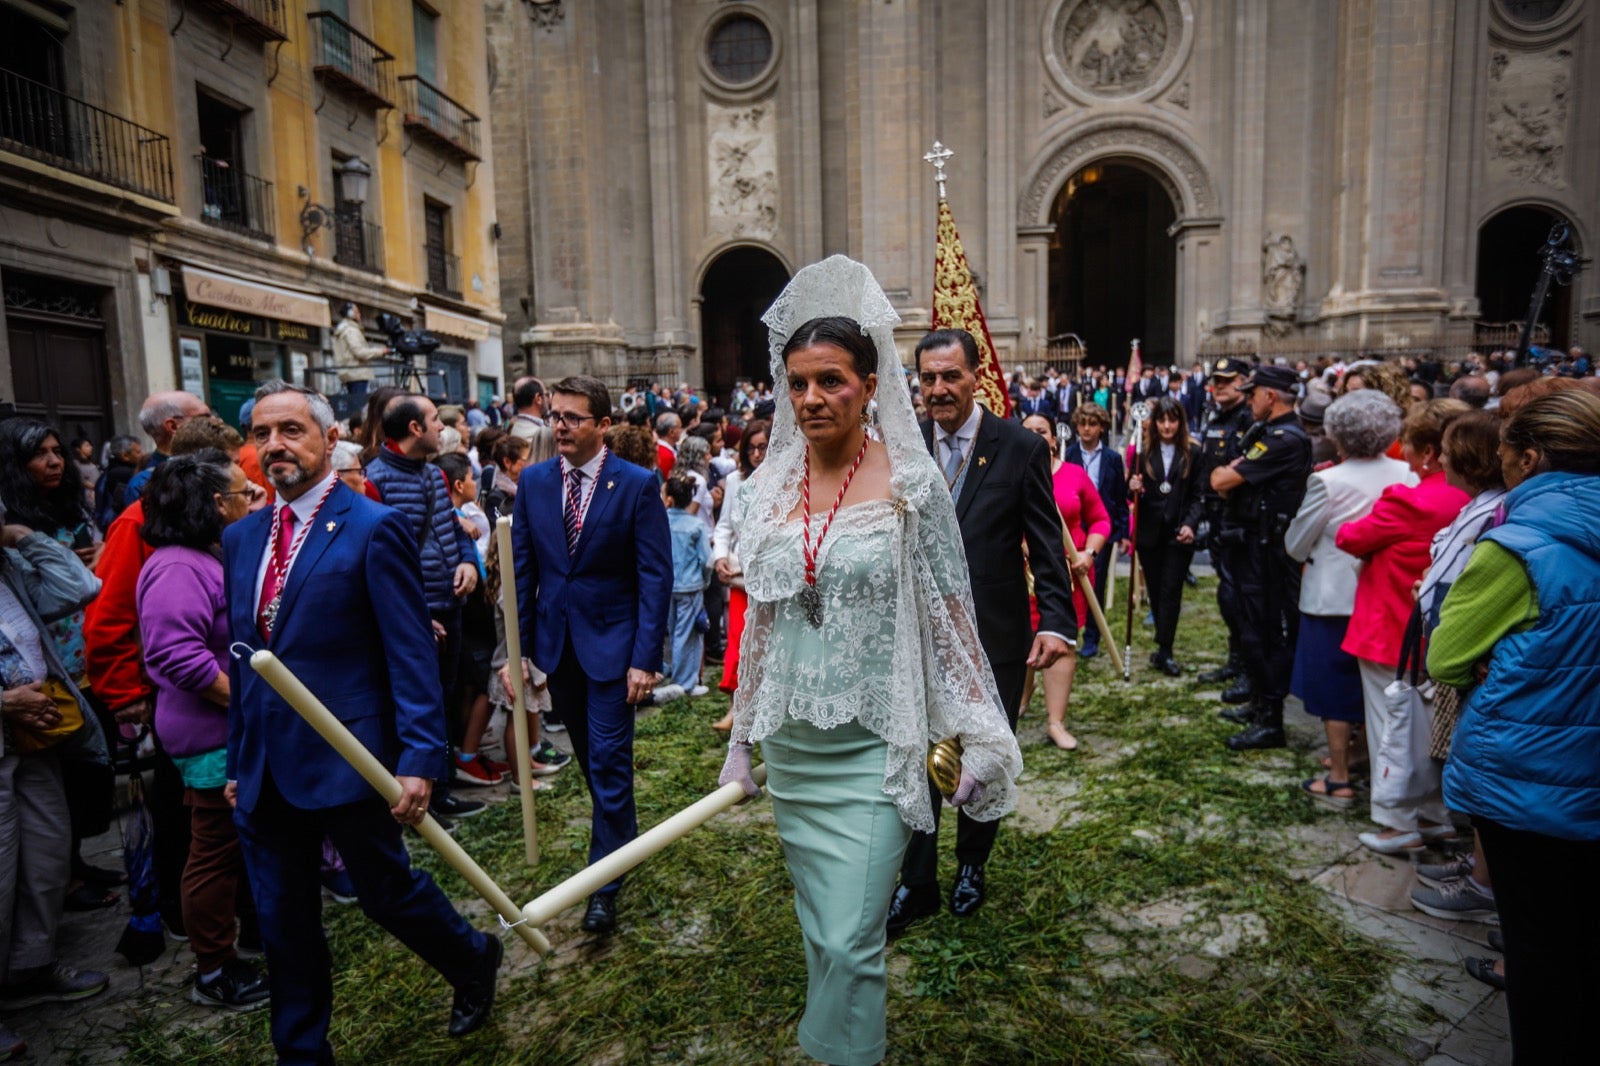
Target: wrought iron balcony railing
(433,115)
(43,124)
(262,19)
(349,61)
(444,271)
(235,200)
(357,242)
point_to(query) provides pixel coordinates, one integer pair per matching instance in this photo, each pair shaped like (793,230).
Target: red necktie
(277,568)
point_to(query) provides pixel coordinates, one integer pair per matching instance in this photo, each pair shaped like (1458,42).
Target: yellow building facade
(192,193)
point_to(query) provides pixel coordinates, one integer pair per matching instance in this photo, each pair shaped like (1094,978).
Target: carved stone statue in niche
(1526,128)
(1283,277)
(743,165)
(1114,45)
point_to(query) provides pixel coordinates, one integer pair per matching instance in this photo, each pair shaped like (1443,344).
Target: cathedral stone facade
(1376,173)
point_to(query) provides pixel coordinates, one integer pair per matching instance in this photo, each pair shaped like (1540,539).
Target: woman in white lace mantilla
(860,647)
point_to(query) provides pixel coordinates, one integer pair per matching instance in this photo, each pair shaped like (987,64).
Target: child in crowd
(691,561)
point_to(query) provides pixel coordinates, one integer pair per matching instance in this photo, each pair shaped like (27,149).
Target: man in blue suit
(594,583)
(329,581)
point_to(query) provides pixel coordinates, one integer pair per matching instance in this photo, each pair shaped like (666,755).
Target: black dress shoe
(910,903)
(475,999)
(1226,672)
(1167,665)
(1240,691)
(1240,715)
(601,917)
(1257,737)
(966,895)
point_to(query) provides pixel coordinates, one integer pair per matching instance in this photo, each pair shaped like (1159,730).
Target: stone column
(1032,302)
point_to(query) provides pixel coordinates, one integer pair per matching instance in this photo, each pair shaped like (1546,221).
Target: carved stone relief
(1283,278)
(1180,95)
(546,14)
(1116,48)
(742,166)
(1052,103)
(1526,129)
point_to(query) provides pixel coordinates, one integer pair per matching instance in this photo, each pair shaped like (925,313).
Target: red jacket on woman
(1393,541)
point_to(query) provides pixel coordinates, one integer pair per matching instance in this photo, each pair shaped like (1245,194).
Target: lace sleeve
(759,619)
(960,689)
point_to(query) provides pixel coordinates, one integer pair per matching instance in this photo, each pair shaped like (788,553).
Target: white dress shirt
(590,471)
(961,439)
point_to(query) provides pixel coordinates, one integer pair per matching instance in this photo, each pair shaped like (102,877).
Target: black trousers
(449,668)
(1225,562)
(974,839)
(1269,601)
(1552,995)
(1165,562)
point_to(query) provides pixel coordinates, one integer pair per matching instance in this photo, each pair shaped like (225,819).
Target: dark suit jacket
(1113,486)
(611,595)
(353,625)
(1045,405)
(1162,515)
(1007,498)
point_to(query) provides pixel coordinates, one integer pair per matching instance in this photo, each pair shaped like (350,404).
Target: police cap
(1231,367)
(1273,377)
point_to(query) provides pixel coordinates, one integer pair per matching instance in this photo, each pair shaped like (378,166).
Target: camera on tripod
(404,341)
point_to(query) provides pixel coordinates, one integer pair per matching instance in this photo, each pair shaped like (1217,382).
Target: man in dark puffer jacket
(401,477)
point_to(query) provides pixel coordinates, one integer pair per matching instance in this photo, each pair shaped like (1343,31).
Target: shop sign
(253,298)
(221,321)
(296,333)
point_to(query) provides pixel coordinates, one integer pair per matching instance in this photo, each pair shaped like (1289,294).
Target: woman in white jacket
(1363,424)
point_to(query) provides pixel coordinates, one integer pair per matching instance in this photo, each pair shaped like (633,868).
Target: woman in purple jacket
(184,622)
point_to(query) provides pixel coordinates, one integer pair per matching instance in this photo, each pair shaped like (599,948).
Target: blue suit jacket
(353,625)
(1113,486)
(612,595)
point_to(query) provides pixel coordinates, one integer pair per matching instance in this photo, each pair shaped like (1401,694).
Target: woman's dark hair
(746,467)
(27,503)
(635,444)
(1563,427)
(507,449)
(179,507)
(842,333)
(680,490)
(372,437)
(1472,450)
(1166,405)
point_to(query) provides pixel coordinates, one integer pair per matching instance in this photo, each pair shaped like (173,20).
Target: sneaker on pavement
(501,768)
(1461,901)
(456,807)
(57,984)
(548,724)
(240,987)
(1439,874)
(475,771)
(550,755)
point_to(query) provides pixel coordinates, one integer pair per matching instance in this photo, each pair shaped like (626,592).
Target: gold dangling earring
(866,418)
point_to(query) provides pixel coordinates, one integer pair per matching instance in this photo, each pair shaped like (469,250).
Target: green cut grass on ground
(1147,904)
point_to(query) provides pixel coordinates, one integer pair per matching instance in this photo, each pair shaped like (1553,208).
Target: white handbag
(1402,770)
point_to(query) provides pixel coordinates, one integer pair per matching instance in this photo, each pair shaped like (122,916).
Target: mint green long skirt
(843,840)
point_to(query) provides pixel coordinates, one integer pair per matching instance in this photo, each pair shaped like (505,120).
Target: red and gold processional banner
(956,306)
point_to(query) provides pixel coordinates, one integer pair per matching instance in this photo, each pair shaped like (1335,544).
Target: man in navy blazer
(350,620)
(594,583)
(1105,469)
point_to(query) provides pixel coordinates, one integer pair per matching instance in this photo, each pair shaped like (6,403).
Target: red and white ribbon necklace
(588,493)
(810,550)
(275,576)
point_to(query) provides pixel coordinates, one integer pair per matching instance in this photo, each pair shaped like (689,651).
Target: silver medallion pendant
(1166,487)
(269,613)
(811,603)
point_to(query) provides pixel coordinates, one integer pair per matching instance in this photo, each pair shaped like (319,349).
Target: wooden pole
(592,878)
(294,691)
(1136,419)
(1086,583)
(519,716)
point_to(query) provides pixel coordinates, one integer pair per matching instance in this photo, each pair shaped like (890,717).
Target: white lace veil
(943,685)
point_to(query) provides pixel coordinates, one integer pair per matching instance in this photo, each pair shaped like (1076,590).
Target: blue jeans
(687,642)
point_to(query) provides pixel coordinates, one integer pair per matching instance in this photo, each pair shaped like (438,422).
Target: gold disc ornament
(944,765)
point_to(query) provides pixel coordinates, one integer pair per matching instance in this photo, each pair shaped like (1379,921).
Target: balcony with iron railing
(357,242)
(51,127)
(444,271)
(350,62)
(261,19)
(430,114)
(234,200)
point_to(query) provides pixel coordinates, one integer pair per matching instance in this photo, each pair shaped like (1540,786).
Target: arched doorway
(737,290)
(1113,267)
(1509,266)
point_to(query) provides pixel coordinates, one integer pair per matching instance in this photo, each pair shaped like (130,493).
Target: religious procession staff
(329,581)
(1219,445)
(1166,485)
(861,644)
(1264,488)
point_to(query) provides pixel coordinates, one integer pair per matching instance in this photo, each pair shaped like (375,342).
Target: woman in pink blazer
(1393,542)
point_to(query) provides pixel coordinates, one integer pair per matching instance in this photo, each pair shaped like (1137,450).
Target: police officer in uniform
(1219,445)
(1263,488)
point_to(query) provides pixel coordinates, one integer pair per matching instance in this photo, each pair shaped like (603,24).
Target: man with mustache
(999,474)
(329,581)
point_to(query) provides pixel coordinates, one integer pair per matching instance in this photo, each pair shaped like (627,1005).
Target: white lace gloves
(737,768)
(969,790)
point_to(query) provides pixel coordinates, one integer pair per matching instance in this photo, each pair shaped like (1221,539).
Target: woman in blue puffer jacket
(1522,622)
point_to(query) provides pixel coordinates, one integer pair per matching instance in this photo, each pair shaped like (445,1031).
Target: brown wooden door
(59,374)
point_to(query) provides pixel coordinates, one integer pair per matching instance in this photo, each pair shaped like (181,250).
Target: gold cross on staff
(937,157)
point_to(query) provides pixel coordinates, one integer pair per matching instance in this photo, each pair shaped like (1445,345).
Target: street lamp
(353,177)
